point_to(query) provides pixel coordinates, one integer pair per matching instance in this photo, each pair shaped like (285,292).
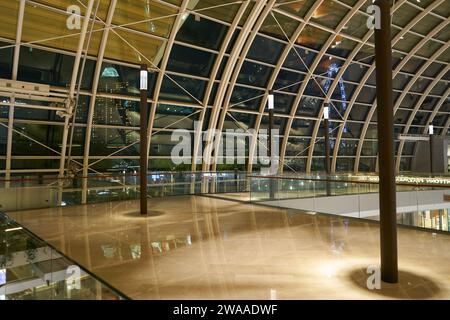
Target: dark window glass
(421,118)
(367,95)
(53,68)
(316,87)
(21,164)
(246,119)
(190,61)
(246,98)
(283,103)
(355,72)
(202,32)
(345,164)
(182,89)
(400,81)
(401,116)
(49,135)
(162,144)
(288,81)
(105,141)
(175,117)
(429,103)
(88,74)
(82,109)
(367,164)
(254,74)
(440,120)
(36,114)
(6,60)
(117,112)
(278,124)
(309,106)
(233,40)
(352,130)
(409,101)
(359,112)
(297,146)
(4,110)
(298,57)
(78,141)
(3,140)
(265,49)
(369,148)
(302,127)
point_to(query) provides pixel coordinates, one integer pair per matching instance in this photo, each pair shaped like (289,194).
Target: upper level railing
(421,201)
(48,191)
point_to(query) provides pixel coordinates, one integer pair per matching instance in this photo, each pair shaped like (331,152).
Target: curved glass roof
(211,64)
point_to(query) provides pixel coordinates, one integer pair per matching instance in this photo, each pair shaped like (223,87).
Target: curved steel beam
(72,88)
(198,132)
(231,64)
(447,124)
(237,70)
(162,71)
(13,100)
(308,77)
(96,78)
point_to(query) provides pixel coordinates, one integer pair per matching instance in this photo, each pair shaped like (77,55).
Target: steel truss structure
(302,38)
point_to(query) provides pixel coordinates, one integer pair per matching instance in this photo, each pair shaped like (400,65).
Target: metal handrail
(347,181)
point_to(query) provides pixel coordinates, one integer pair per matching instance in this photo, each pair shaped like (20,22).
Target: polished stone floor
(209,248)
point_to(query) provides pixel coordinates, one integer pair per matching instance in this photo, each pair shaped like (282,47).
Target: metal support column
(431,133)
(271,105)
(144,139)
(326,124)
(388,214)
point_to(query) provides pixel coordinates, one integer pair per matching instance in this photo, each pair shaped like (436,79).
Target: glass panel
(288,81)
(116,112)
(49,135)
(6,60)
(53,68)
(254,74)
(105,141)
(246,98)
(182,89)
(309,106)
(202,32)
(175,117)
(190,61)
(265,50)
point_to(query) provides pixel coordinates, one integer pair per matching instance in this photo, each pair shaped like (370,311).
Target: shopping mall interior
(224,150)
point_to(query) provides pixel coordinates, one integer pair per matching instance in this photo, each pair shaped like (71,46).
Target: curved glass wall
(211,64)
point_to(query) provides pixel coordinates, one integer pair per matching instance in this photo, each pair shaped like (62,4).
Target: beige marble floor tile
(209,248)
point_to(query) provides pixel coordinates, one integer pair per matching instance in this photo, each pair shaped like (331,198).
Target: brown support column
(431,132)
(388,209)
(326,124)
(272,184)
(144,139)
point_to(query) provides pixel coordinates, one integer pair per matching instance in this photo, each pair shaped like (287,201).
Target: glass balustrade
(32,270)
(25,193)
(421,201)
